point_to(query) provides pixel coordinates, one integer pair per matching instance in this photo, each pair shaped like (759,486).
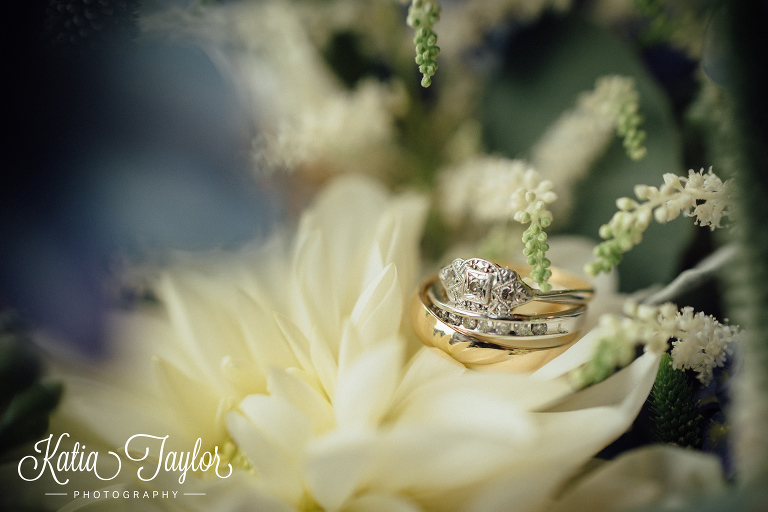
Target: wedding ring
(479,352)
(481,287)
(534,325)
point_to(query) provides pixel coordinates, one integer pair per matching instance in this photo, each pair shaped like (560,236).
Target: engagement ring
(481,287)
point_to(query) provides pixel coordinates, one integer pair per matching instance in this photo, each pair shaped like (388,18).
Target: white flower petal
(314,300)
(397,238)
(324,363)
(526,489)
(234,494)
(92,407)
(379,502)
(427,365)
(192,399)
(351,346)
(337,464)
(657,476)
(207,334)
(365,388)
(570,433)
(296,340)
(278,473)
(526,393)
(244,376)
(576,355)
(304,397)
(368,200)
(280,420)
(433,458)
(378,310)
(629,387)
(466,411)
(263,335)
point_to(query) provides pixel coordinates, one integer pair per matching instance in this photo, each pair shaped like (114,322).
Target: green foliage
(623,233)
(535,240)
(422,16)
(607,357)
(25,401)
(628,123)
(553,65)
(673,406)
(26,418)
(680,22)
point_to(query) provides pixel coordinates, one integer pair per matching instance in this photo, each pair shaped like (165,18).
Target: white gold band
(482,287)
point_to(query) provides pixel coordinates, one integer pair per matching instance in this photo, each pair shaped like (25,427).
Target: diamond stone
(539,329)
(503,328)
(522,329)
(469,323)
(484,326)
(454,319)
(478,287)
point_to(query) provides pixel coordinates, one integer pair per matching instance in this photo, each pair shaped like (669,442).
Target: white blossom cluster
(494,189)
(704,196)
(303,114)
(336,134)
(573,143)
(700,343)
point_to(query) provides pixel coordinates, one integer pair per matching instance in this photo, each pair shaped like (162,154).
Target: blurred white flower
(307,120)
(491,189)
(298,367)
(337,134)
(663,477)
(572,144)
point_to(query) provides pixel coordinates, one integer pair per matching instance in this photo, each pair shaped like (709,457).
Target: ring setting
(512,330)
(481,286)
(477,310)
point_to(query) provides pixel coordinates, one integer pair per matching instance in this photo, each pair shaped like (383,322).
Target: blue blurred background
(118,149)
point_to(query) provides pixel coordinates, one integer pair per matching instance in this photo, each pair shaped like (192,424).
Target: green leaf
(550,66)
(26,418)
(673,407)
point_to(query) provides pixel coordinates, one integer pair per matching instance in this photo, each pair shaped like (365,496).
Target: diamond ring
(547,325)
(478,286)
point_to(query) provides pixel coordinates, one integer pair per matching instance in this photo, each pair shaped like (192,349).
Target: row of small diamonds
(491,326)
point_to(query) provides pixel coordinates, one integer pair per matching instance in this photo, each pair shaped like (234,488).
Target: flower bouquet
(370,255)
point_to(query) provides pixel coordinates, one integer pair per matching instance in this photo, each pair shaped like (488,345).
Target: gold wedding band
(520,338)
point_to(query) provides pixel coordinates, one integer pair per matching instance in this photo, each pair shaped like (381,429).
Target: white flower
(298,368)
(701,343)
(572,144)
(307,119)
(658,476)
(493,189)
(704,196)
(336,134)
